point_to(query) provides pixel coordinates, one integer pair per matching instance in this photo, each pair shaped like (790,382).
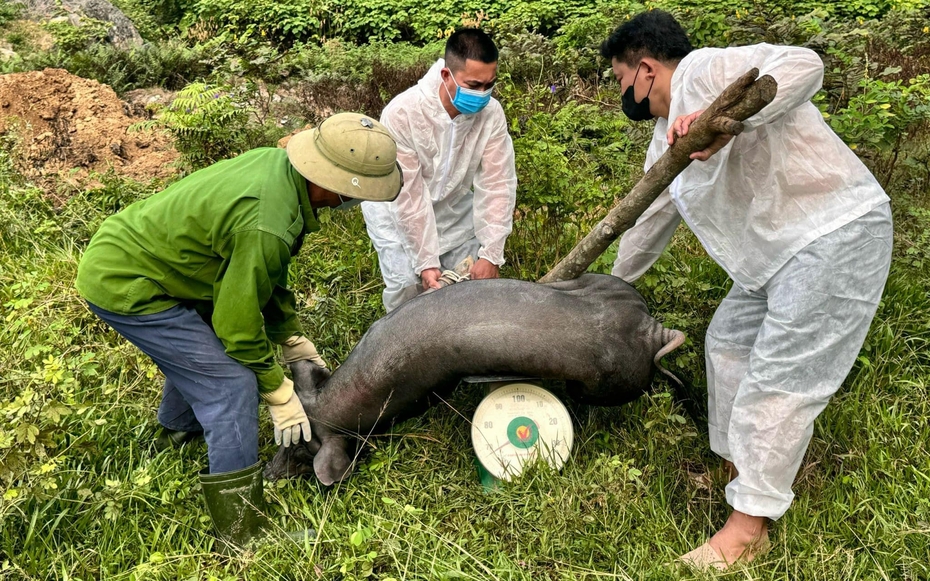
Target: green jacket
(221,239)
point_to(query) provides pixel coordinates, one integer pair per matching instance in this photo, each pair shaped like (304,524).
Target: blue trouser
(205,389)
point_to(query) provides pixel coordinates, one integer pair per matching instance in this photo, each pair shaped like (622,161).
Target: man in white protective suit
(459,175)
(802,228)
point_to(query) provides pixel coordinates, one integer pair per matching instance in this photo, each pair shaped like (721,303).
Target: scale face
(517,424)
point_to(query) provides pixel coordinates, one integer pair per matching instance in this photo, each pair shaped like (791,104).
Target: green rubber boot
(237,506)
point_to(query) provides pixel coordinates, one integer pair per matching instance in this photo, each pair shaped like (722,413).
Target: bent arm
(798,72)
(495,189)
(643,244)
(255,263)
(281,322)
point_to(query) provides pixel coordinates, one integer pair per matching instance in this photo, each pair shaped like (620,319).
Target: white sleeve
(495,188)
(413,206)
(643,244)
(798,72)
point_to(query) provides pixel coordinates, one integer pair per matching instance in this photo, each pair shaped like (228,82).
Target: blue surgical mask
(347,202)
(468,101)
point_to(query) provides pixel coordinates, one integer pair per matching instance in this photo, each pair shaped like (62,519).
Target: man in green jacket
(196,277)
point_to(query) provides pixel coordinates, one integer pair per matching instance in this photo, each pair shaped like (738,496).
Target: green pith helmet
(351,155)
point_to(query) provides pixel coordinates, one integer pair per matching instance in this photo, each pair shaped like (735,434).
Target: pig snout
(298,459)
(295,460)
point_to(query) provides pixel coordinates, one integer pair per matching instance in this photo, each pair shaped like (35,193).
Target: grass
(89,499)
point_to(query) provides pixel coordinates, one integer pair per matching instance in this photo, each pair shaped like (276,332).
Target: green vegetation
(205,121)
(84,496)
(10,11)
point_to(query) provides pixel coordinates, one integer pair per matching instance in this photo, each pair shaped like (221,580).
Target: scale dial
(517,424)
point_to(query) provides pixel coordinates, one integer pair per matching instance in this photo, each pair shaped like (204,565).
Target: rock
(122,32)
(140,101)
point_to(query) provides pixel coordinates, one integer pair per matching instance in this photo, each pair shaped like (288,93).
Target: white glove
(299,348)
(288,414)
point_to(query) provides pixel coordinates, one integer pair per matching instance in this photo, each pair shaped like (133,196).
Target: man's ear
(650,68)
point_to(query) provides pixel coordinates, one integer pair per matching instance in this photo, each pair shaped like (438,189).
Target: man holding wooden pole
(800,225)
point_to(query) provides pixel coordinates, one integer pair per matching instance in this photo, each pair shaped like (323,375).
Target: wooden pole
(741,100)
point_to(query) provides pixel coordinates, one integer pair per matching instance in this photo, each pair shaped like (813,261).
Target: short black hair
(469,43)
(654,33)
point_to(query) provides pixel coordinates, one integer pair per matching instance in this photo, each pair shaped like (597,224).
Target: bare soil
(67,126)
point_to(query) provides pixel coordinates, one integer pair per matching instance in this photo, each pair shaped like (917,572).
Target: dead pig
(594,332)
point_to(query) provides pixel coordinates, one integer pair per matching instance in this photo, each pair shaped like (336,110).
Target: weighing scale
(517,423)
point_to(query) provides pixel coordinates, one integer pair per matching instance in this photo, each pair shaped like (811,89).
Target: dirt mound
(64,122)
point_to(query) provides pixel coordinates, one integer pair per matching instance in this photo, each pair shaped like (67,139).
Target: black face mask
(636,111)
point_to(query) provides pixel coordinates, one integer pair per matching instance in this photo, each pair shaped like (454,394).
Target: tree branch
(741,100)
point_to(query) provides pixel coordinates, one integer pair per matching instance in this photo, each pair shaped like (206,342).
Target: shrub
(206,121)
(280,21)
(361,20)
(578,42)
(884,118)
(154,19)
(352,62)
(340,76)
(170,64)
(70,38)
(292,21)
(10,11)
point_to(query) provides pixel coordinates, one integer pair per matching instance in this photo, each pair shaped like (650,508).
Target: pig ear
(308,378)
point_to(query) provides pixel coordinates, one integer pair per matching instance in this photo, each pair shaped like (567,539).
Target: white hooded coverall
(804,230)
(459,188)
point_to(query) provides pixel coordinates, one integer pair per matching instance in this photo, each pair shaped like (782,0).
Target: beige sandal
(704,557)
